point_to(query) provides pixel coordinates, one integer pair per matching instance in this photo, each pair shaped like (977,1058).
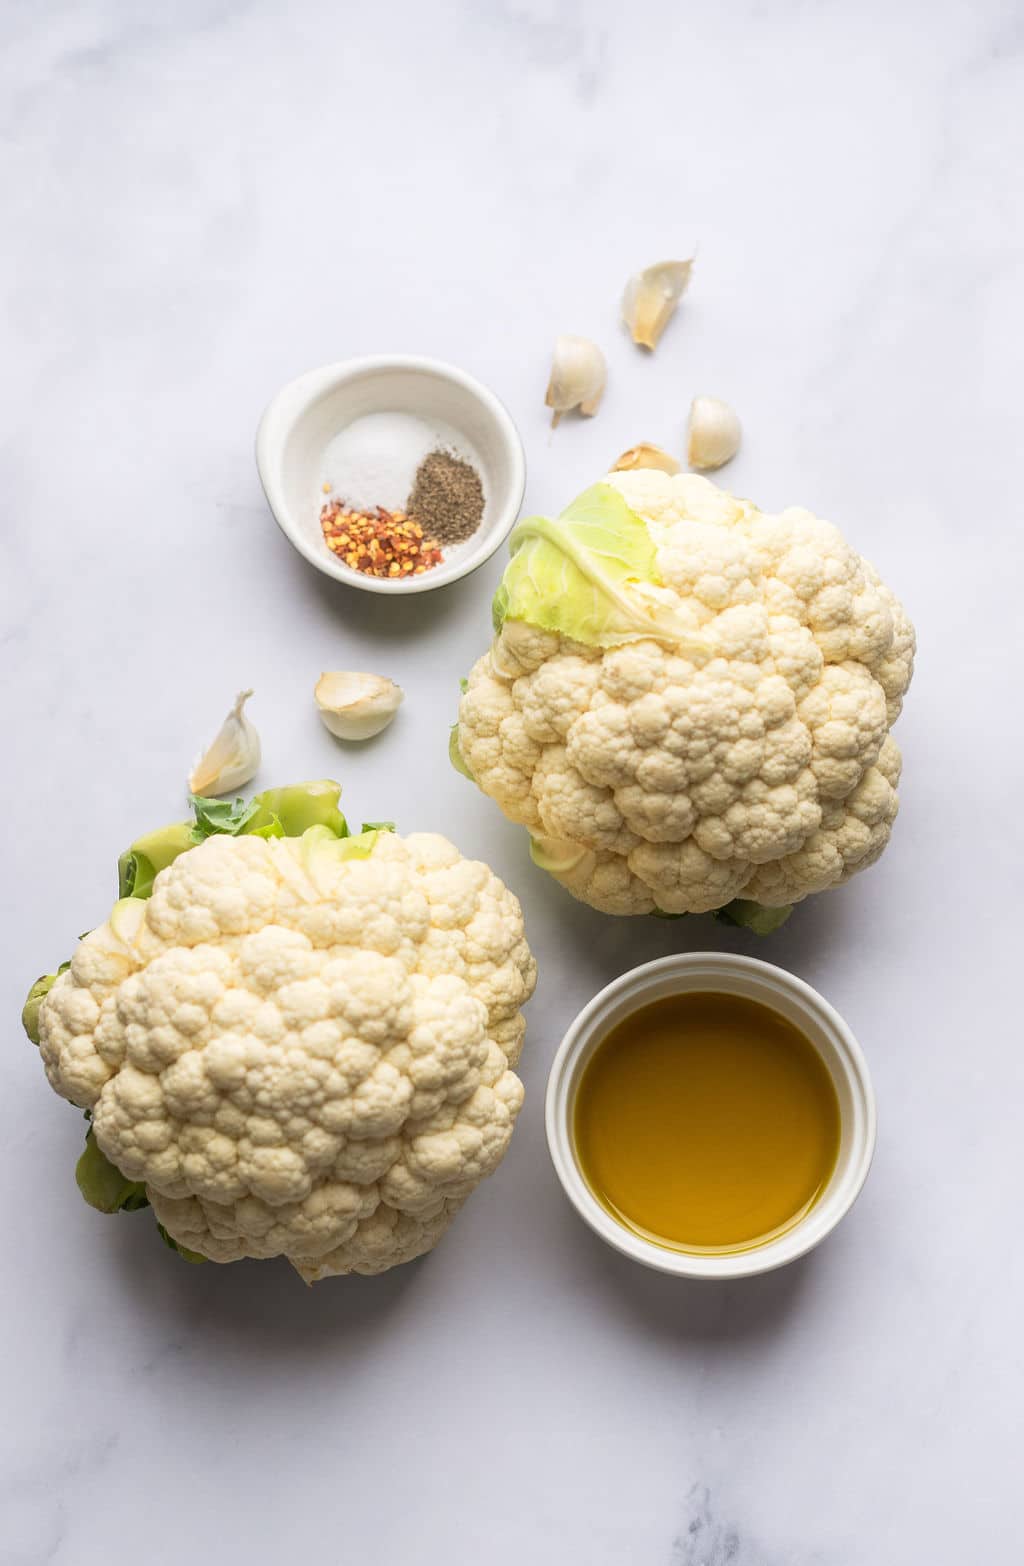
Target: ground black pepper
(447,498)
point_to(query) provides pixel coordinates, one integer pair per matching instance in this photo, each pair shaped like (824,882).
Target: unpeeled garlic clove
(356,706)
(578,377)
(714,434)
(646,456)
(650,299)
(232,759)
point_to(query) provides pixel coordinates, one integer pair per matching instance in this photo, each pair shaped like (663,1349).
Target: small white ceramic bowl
(759,981)
(304,417)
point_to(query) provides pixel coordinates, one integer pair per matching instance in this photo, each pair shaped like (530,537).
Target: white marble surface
(203,199)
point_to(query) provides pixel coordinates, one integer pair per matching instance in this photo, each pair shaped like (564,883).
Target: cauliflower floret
(298,1053)
(744,753)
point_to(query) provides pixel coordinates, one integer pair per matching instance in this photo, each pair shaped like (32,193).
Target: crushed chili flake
(378,543)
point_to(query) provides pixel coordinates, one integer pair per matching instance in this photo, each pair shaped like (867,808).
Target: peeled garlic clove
(714,433)
(356,706)
(233,757)
(645,456)
(650,299)
(578,376)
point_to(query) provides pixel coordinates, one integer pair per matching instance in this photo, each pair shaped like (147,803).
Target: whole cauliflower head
(688,700)
(300,1051)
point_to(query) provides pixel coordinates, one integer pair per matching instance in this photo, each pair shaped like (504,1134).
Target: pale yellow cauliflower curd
(301,1056)
(754,761)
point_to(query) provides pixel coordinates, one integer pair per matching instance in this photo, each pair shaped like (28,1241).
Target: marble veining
(704,1540)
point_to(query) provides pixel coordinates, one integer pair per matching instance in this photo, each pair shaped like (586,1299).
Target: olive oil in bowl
(706,1122)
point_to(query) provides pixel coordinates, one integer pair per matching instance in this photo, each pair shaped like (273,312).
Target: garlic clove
(646,456)
(232,759)
(578,376)
(714,433)
(650,299)
(356,706)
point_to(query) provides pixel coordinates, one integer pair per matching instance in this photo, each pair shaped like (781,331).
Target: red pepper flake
(378,543)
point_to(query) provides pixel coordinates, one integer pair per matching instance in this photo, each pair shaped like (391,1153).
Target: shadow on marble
(817,929)
(686,1311)
(375,614)
(264,1308)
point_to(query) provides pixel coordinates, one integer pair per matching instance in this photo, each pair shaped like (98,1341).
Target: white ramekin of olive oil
(710,1115)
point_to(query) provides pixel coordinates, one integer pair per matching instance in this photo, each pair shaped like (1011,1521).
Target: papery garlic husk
(232,759)
(714,434)
(650,299)
(646,456)
(356,706)
(578,377)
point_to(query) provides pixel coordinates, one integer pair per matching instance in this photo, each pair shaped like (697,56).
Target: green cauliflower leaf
(748,915)
(182,1250)
(582,575)
(743,914)
(34,1001)
(139,865)
(102,1183)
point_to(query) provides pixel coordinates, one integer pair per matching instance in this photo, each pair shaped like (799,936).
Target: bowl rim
(763,980)
(294,398)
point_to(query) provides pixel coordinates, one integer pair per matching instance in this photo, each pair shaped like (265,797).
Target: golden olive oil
(707,1122)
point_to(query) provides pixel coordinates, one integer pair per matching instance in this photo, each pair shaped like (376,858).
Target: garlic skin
(650,299)
(646,456)
(233,758)
(578,377)
(356,706)
(714,434)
